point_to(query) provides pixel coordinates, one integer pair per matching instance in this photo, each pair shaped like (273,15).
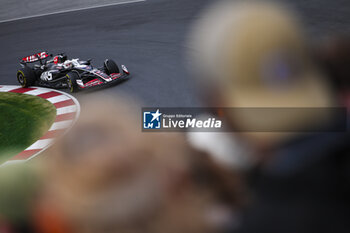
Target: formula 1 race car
(59,72)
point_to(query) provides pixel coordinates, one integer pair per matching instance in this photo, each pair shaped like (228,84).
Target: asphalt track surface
(16,9)
(149,37)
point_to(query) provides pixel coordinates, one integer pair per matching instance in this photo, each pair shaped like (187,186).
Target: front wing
(99,82)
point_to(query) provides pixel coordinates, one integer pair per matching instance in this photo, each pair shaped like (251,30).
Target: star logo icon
(156,115)
(151,119)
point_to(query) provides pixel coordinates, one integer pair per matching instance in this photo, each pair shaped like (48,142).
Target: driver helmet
(60,58)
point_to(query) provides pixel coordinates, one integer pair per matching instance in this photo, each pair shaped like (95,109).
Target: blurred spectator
(255,55)
(106,175)
(333,55)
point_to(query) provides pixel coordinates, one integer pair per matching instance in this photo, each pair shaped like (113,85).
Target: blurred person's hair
(106,175)
(254,55)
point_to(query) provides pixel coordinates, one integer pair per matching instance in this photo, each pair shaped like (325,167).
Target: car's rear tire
(72,81)
(26,77)
(111,67)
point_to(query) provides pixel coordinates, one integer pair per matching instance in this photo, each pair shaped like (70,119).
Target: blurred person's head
(255,55)
(106,175)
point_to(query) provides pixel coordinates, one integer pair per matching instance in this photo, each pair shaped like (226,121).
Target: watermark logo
(152,120)
(167,119)
(178,119)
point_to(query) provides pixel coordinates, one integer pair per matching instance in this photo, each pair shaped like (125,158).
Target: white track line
(67,109)
(37,92)
(72,10)
(8,88)
(40,144)
(61,125)
(57,99)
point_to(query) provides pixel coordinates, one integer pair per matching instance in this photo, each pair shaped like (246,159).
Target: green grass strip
(23,120)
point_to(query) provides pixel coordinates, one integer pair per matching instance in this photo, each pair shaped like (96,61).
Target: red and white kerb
(67,112)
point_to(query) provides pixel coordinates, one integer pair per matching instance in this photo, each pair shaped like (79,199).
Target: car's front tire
(111,67)
(72,81)
(26,77)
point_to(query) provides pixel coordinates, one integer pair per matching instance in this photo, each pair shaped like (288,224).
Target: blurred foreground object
(333,55)
(254,54)
(108,176)
(19,192)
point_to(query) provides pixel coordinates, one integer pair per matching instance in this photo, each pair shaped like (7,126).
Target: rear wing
(34,57)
